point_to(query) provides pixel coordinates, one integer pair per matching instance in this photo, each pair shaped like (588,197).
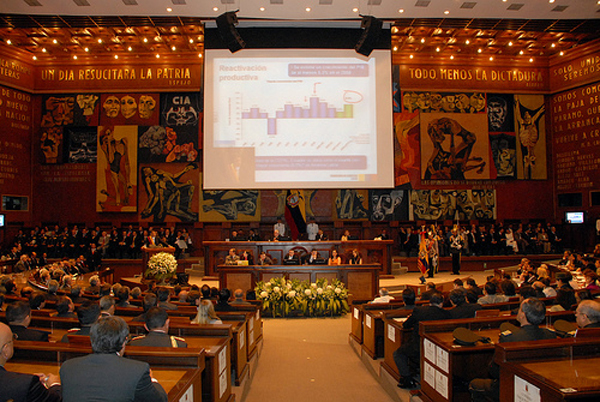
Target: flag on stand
(423,259)
(295,212)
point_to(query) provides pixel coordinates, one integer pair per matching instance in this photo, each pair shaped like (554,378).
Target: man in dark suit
(461,308)
(157,325)
(87,314)
(18,315)
(114,378)
(19,387)
(588,314)
(411,351)
(532,313)
(291,258)
(430,291)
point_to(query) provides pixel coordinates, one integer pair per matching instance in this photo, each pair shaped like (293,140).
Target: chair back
(487,313)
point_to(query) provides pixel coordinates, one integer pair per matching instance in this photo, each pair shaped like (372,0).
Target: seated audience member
(66,283)
(114,377)
(588,314)
(313,258)
(150,300)
(214,293)
(346,236)
(94,287)
(548,290)
(26,292)
(37,301)
(565,300)
(232,258)
(18,315)
(24,387)
(223,301)
(411,350)
(384,296)
(253,236)
(409,298)
(276,236)
(591,280)
(53,286)
(582,295)
(458,284)
(105,289)
(238,298)
(87,314)
(538,286)
(461,309)
(193,296)
(157,325)
(206,314)
(532,313)
(563,280)
(65,307)
(76,295)
(264,259)
(107,306)
(491,297)
(321,236)
(135,293)
(247,256)
(508,288)
(163,295)
(291,258)
(182,296)
(335,259)
(430,290)
(250,294)
(122,296)
(355,258)
(472,297)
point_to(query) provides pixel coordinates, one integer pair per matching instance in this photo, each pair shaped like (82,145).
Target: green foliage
(292,298)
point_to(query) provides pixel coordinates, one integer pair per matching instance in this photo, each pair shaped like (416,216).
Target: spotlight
(368,40)
(226,24)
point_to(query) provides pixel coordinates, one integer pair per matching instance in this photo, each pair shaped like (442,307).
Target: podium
(148,252)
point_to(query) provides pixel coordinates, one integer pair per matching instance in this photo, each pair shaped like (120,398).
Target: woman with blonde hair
(542,271)
(206,314)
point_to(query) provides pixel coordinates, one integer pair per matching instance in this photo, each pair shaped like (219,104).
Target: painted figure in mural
(454,163)
(497,112)
(385,204)
(59,111)
(167,195)
(112,106)
(147,106)
(504,155)
(529,134)
(477,102)
(117,156)
(87,103)
(349,205)
(51,141)
(129,106)
(231,203)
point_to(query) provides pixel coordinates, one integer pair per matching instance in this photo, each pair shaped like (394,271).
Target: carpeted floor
(309,360)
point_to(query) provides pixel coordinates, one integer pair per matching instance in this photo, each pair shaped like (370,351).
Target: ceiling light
(99,40)
(215,8)
(169,10)
(74,57)
(562,53)
(491,58)
(262,9)
(395,49)
(479,50)
(553,45)
(531,59)
(8,42)
(116,56)
(191,40)
(422,40)
(551,1)
(145,40)
(437,49)
(411,56)
(87,49)
(54,41)
(447,12)
(451,57)
(200,55)
(394,30)
(355,10)
(307,9)
(510,43)
(157,56)
(467,42)
(34,57)
(173,48)
(44,50)
(401,10)
(130,48)
(521,52)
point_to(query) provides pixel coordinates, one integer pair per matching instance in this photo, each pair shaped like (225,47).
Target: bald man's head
(6,343)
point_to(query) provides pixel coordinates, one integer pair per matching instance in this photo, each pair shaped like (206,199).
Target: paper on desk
(429,374)
(368,320)
(429,348)
(441,384)
(442,359)
(391,333)
(525,392)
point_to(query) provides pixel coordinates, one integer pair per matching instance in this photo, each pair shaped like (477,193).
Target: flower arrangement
(161,266)
(286,298)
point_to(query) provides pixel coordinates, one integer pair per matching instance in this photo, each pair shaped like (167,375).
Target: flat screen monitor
(575,217)
(297,118)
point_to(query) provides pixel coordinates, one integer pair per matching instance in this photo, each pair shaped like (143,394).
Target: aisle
(310,360)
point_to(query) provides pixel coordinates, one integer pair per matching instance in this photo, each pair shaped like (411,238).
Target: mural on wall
(57,110)
(82,144)
(180,109)
(169,192)
(166,144)
(503,141)
(452,204)
(448,102)
(396,92)
(86,110)
(116,172)
(531,133)
(388,205)
(230,205)
(454,146)
(406,147)
(129,109)
(51,145)
(351,205)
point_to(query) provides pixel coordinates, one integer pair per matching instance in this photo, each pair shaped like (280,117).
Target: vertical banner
(295,212)
(116,171)
(531,134)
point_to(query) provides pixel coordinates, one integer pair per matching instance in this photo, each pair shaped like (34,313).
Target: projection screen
(297,118)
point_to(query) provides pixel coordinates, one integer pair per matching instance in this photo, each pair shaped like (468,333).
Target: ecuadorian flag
(295,212)
(423,259)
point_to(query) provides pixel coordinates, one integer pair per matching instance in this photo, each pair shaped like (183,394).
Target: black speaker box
(226,24)
(368,40)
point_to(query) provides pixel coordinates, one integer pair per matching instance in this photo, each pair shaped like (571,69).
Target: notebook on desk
(242,262)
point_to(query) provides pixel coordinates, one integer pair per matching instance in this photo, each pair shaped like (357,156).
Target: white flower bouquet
(284,298)
(161,266)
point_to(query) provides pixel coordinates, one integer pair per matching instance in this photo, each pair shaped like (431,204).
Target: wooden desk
(372,251)
(362,281)
(373,326)
(556,370)
(395,335)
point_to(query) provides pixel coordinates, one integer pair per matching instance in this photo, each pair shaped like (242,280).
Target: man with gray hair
(588,314)
(114,378)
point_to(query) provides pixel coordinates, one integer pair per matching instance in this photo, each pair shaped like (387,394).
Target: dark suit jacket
(26,334)
(423,313)
(158,339)
(25,387)
(466,310)
(114,379)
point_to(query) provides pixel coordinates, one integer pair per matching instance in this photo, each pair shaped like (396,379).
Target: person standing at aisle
(456,245)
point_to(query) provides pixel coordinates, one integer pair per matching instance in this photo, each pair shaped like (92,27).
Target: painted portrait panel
(82,144)
(531,134)
(129,109)
(388,205)
(51,145)
(169,192)
(230,205)
(87,110)
(116,172)
(180,109)
(57,110)
(352,205)
(454,146)
(406,148)
(159,144)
